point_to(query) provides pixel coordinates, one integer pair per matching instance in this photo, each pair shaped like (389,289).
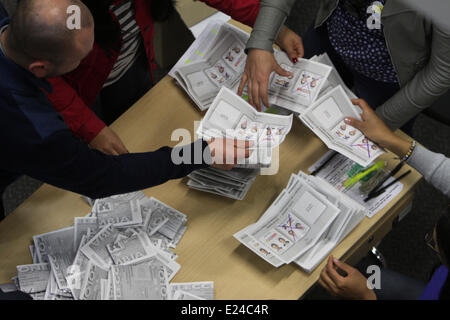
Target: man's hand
(260,64)
(226,153)
(352,286)
(108,142)
(291,43)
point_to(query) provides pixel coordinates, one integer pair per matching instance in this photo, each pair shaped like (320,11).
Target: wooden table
(208,251)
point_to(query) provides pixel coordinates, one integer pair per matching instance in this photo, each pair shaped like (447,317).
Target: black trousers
(117,98)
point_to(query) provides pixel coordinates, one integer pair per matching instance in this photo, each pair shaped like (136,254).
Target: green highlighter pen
(350,182)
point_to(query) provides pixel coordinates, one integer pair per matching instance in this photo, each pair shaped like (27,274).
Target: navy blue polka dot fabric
(362,49)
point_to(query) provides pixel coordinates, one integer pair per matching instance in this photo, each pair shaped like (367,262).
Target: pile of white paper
(232,117)
(307,220)
(121,251)
(233,184)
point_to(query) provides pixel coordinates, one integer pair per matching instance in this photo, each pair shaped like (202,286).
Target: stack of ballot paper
(325,118)
(122,250)
(232,184)
(217,59)
(306,221)
(232,117)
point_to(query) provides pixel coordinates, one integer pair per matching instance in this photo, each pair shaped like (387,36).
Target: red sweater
(74,93)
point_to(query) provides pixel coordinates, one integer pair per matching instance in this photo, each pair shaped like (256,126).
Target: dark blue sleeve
(70,164)
(3,12)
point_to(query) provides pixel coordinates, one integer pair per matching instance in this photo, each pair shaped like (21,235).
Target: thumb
(343,266)
(281,71)
(354,123)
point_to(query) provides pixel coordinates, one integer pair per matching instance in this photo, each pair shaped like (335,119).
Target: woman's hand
(260,64)
(376,130)
(352,286)
(291,43)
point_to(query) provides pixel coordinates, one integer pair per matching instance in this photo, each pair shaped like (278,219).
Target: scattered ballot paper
(122,250)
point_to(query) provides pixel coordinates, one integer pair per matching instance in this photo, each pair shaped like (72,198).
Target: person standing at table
(436,170)
(36,44)
(118,71)
(397,60)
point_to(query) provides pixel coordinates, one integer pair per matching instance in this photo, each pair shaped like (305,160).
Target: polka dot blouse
(364,50)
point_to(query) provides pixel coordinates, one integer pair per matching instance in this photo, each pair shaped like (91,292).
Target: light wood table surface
(208,251)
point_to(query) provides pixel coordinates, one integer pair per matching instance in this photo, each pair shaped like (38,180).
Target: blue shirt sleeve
(3,12)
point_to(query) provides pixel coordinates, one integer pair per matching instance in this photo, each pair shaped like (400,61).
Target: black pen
(376,194)
(324,164)
(392,173)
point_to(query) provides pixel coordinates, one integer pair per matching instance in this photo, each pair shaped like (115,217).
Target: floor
(404,248)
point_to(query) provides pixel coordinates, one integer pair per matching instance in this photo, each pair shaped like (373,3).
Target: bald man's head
(39,32)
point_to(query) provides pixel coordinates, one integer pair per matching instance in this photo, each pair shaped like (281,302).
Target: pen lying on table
(383,189)
(391,174)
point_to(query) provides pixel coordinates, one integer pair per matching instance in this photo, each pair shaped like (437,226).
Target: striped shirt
(131,40)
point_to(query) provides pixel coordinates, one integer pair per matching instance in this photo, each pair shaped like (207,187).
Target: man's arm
(245,11)
(271,17)
(425,88)
(67,163)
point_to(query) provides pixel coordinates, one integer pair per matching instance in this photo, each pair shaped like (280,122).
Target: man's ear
(39,68)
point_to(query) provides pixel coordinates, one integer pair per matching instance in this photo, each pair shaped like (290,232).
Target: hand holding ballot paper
(326,118)
(217,58)
(232,117)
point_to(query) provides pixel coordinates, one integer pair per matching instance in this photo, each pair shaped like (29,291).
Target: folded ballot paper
(306,221)
(217,59)
(297,92)
(232,117)
(325,118)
